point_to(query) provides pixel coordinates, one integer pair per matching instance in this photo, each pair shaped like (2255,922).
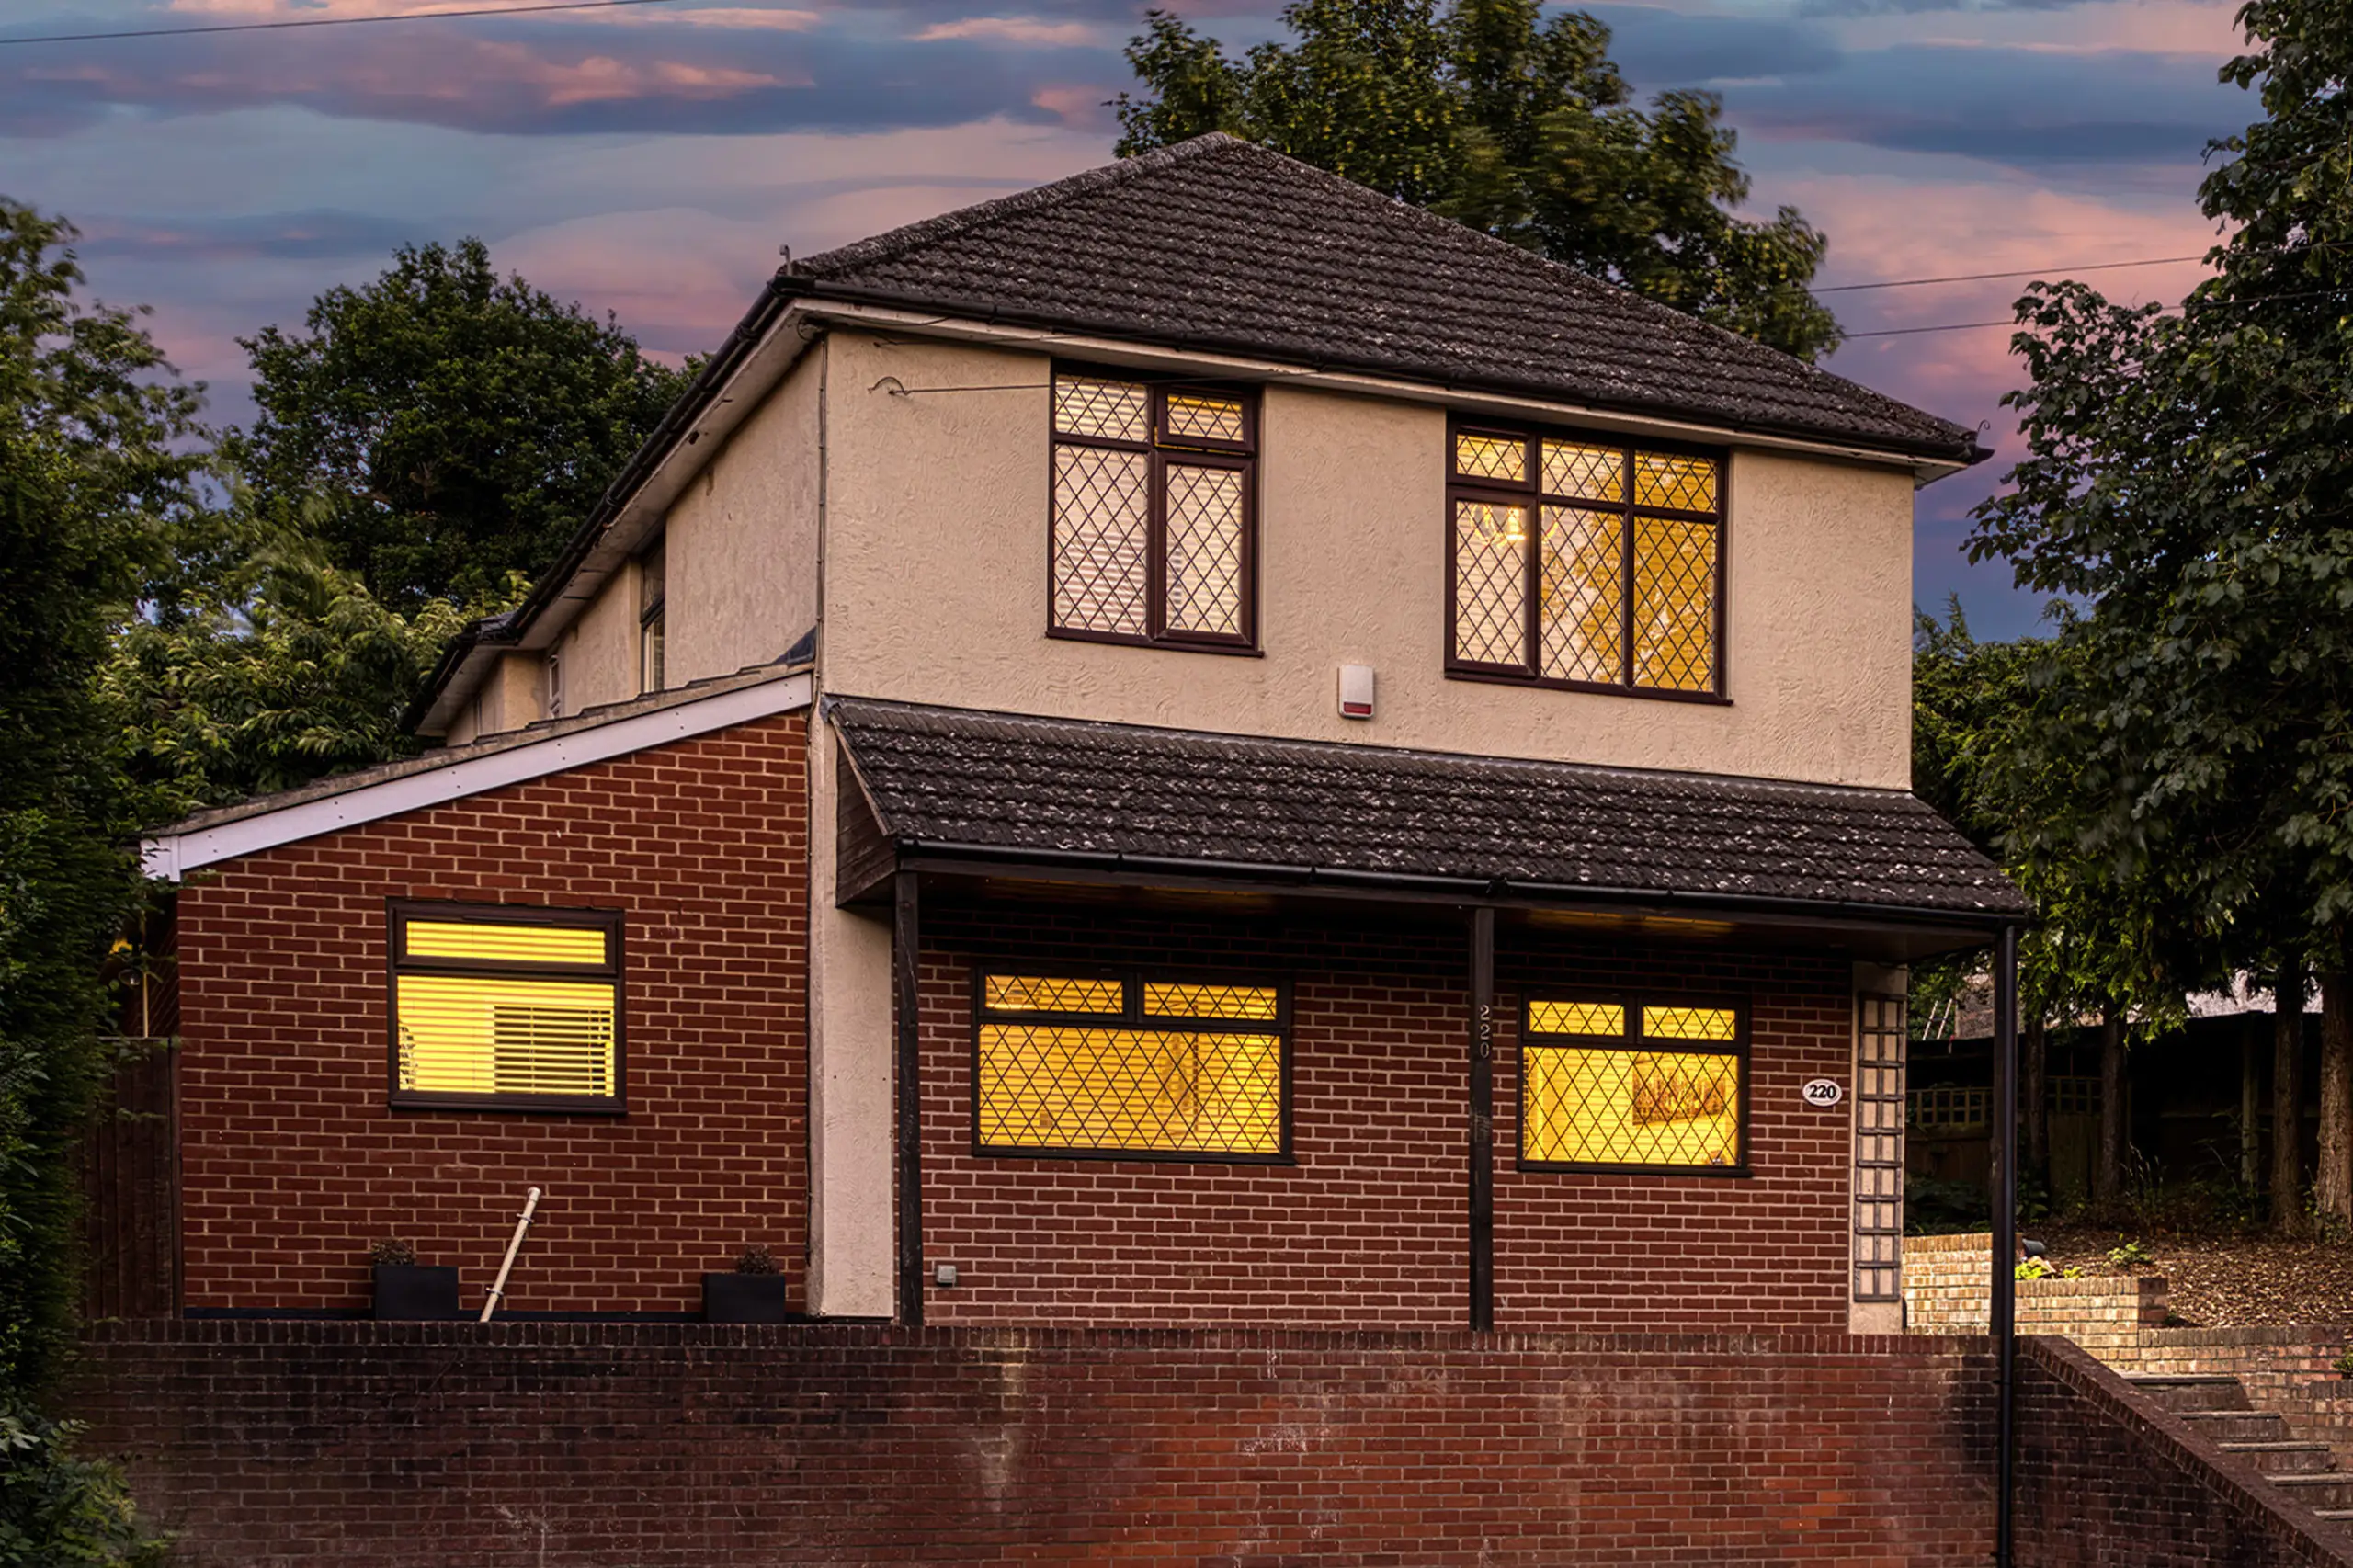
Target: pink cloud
(1011,29)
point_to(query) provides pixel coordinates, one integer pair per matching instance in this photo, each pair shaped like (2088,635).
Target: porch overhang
(1072,809)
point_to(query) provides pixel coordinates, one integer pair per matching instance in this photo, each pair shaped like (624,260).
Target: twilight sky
(650,160)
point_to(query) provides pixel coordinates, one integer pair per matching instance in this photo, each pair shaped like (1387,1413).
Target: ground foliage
(2222,1278)
(1518,124)
(441,427)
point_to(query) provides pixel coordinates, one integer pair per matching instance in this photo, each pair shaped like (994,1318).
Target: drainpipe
(2002,1301)
(514,1245)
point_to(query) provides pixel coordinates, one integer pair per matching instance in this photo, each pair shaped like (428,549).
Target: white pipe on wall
(514,1246)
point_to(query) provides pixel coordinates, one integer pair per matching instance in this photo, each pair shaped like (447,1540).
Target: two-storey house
(1192,746)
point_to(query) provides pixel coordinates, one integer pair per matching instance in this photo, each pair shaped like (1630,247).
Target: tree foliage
(442,428)
(1509,122)
(2189,480)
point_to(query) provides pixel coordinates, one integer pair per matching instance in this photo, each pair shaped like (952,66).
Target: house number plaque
(1823,1092)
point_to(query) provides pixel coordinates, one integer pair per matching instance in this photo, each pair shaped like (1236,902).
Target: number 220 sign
(1823,1092)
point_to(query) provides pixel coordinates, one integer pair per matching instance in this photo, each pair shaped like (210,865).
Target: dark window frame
(1634,1041)
(1132,1017)
(1161,449)
(1530,493)
(400,913)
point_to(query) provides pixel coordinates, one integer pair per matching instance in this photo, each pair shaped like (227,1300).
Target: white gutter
(171,856)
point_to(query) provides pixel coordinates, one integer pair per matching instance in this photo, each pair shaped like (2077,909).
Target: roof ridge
(892,243)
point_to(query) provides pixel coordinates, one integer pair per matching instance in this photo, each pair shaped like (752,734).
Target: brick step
(2238,1426)
(2183,1392)
(2326,1489)
(2286,1458)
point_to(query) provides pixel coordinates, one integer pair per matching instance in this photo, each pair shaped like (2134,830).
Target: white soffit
(172,855)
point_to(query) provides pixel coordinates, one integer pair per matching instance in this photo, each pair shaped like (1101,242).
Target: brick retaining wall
(271,1444)
(1947,1280)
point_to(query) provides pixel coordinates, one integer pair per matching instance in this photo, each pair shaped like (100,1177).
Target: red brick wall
(291,1164)
(2105,1479)
(1370,1226)
(273,1445)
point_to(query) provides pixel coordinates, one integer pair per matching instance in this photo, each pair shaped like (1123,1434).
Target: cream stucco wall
(600,648)
(742,553)
(936,592)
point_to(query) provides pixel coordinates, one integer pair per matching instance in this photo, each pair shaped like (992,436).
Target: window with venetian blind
(499,1008)
(1586,563)
(1129,1066)
(1154,496)
(1630,1084)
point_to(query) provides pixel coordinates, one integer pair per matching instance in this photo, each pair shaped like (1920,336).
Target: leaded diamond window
(1634,1086)
(1153,535)
(1129,1066)
(1586,563)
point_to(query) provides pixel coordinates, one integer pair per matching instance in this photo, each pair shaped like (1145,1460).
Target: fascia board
(170,857)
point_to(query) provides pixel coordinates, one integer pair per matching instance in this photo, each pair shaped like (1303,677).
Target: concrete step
(2286,1458)
(2185,1391)
(2328,1489)
(2238,1426)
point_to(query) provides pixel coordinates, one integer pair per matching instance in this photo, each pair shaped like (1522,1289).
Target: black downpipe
(2003,1324)
(905,950)
(1482,1117)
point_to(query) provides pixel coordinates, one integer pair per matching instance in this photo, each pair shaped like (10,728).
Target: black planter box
(406,1290)
(744,1297)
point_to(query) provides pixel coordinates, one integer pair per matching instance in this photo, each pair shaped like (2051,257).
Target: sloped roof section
(948,778)
(1216,243)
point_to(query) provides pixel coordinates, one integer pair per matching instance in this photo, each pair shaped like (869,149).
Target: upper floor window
(651,577)
(1586,563)
(499,1008)
(554,675)
(1154,512)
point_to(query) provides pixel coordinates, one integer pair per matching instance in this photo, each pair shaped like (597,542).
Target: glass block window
(1632,1085)
(1153,529)
(1879,1148)
(499,1007)
(1129,1066)
(1586,563)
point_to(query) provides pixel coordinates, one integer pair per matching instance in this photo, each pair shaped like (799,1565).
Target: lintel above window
(1154,536)
(1585,561)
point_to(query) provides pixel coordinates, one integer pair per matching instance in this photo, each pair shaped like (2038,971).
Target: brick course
(1947,1280)
(291,1163)
(1369,1228)
(639,1446)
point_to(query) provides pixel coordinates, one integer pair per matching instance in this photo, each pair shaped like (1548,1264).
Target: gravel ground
(2223,1281)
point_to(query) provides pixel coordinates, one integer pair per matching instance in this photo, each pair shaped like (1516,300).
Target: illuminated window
(1151,528)
(497,1008)
(1070,1064)
(1632,1085)
(1586,563)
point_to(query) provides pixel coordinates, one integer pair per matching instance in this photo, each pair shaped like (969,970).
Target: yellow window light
(1577,1017)
(1048,993)
(1253,1004)
(1689,1023)
(485,1035)
(1491,456)
(1657,1109)
(1064,1087)
(1204,417)
(486,942)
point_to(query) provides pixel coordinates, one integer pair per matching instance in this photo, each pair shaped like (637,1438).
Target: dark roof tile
(1058,787)
(1218,243)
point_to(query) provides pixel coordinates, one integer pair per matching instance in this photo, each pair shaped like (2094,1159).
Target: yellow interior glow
(1629,1107)
(1253,1004)
(1577,1017)
(1148,1091)
(1589,473)
(1048,993)
(1215,418)
(476,1035)
(1687,484)
(1491,456)
(1675,603)
(519,944)
(1687,1023)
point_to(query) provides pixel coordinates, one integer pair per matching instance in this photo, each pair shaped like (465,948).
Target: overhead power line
(2166,311)
(335,21)
(1989,277)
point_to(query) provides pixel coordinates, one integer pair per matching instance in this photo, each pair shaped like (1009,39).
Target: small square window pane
(1586,473)
(1687,483)
(1491,456)
(1688,1023)
(1490,583)
(1606,1018)
(1117,411)
(1205,418)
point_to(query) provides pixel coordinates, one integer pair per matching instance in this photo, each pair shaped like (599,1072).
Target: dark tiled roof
(1054,788)
(1216,243)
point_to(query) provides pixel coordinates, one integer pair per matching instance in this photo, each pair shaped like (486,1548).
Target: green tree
(96,466)
(1499,118)
(441,427)
(2189,480)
